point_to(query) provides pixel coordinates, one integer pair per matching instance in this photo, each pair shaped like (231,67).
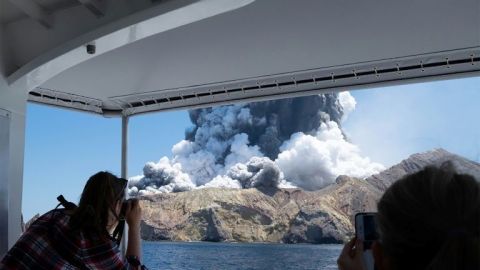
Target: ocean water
(233,256)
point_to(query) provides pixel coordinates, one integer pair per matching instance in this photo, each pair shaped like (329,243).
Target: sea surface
(230,256)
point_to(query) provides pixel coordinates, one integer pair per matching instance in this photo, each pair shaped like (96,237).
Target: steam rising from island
(294,142)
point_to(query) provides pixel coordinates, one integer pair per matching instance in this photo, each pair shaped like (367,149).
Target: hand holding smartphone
(366,231)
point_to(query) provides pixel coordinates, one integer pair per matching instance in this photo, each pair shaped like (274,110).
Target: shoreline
(241,243)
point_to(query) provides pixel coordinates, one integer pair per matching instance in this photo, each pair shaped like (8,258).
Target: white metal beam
(124,174)
(97,7)
(13,104)
(124,165)
(35,11)
(4,158)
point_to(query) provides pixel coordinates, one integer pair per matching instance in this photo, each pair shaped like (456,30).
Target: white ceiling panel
(278,40)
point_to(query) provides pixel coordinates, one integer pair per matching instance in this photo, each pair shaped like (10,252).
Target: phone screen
(366,230)
(369,231)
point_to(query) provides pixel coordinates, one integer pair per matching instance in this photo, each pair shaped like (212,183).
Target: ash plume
(268,124)
(295,142)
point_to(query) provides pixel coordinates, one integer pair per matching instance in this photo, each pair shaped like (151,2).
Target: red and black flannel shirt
(48,244)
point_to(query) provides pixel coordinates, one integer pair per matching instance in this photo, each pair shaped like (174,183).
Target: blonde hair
(430,220)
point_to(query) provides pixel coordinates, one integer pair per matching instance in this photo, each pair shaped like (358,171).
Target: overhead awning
(274,49)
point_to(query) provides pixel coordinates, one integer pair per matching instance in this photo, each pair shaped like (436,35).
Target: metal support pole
(4,194)
(124,173)
(124,146)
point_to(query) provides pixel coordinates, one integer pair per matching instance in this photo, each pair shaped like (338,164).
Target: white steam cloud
(347,102)
(219,151)
(312,162)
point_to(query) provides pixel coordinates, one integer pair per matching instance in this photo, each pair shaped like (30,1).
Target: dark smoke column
(273,122)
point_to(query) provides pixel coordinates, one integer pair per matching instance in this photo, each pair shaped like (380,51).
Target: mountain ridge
(415,162)
(280,215)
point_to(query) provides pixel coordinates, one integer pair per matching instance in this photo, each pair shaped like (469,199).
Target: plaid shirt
(48,244)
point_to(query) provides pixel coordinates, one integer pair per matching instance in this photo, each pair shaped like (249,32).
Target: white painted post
(4,164)
(124,147)
(13,104)
(124,174)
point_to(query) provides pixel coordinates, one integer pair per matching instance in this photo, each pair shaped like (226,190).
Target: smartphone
(366,231)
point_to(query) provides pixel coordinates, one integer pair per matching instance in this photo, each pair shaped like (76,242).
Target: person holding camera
(429,220)
(83,237)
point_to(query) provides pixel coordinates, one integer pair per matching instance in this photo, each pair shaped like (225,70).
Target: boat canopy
(163,55)
(126,57)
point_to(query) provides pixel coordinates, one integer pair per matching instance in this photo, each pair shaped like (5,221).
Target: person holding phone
(366,233)
(429,220)
(81,237)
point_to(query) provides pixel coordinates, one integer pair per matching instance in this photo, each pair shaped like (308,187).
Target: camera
(91,48)
(125,205)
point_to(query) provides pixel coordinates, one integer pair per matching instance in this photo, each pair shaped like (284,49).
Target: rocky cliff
(258,215)
(278,215)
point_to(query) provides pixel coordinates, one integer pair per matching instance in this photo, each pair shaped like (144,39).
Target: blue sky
(391,123)
(63,148)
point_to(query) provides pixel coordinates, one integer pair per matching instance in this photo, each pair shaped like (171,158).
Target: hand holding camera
(132,212)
